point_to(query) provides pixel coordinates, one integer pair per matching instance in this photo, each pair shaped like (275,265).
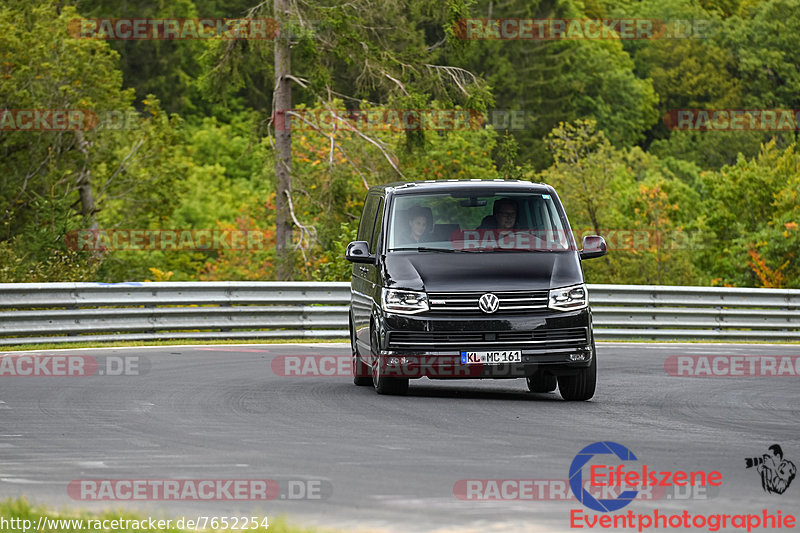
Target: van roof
(400,187)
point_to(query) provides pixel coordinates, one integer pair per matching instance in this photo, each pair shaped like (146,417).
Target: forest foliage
(191,143)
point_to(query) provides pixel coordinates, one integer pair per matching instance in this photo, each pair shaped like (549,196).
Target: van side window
(376,233)
(367,224)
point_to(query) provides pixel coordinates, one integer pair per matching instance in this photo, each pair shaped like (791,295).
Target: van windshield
(477,222)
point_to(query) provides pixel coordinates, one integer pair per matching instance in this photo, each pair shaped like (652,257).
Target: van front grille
(467,302)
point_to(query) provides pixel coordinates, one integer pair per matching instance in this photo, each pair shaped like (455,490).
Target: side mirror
(593,246)
(358,252)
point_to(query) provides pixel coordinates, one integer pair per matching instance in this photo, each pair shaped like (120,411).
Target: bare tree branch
(338,146)
(307,233)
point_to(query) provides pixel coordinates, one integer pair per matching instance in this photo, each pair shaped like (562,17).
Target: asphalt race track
(389,463)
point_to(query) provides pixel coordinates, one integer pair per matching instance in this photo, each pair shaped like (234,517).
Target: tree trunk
(84,184)
(282,102)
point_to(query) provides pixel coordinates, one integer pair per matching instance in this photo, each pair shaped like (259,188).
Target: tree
(751,207)
(282,104)
(583,168)
(644,209)
(47,178)
(764,38)
(561,80)
(350,39)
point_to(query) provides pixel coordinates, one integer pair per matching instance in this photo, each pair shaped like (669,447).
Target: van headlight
(404,302)
(568,298)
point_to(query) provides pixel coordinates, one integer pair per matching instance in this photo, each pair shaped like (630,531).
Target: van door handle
(365,270)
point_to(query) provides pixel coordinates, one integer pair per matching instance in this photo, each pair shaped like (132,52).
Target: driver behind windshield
(418,223)
(504,215)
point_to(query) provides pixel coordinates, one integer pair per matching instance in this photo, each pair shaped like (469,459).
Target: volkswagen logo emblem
(488,303)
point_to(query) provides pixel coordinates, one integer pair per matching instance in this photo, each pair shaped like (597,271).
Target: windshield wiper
(427,249)
(547,250)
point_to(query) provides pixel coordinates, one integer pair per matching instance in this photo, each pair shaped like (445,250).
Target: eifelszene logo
(776,472)
(620,485)
(576,476)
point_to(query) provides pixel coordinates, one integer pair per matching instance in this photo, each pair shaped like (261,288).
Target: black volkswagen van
(470,279)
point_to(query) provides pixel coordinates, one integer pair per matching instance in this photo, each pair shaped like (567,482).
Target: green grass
(21,509)
(169,342)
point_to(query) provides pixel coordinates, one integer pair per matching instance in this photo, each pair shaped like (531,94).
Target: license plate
(491,358)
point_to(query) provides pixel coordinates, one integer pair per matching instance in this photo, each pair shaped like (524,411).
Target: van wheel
(382,384)
(361,372)
(581,386)
(541,382)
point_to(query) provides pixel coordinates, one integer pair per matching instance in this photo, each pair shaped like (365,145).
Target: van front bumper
(428,345)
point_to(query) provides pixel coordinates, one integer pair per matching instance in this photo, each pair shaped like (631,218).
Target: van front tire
(580,387)
(541,382)
(383,384)
(361,372)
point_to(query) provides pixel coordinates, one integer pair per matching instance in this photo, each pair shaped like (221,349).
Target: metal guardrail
(688,313)
(70,312)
